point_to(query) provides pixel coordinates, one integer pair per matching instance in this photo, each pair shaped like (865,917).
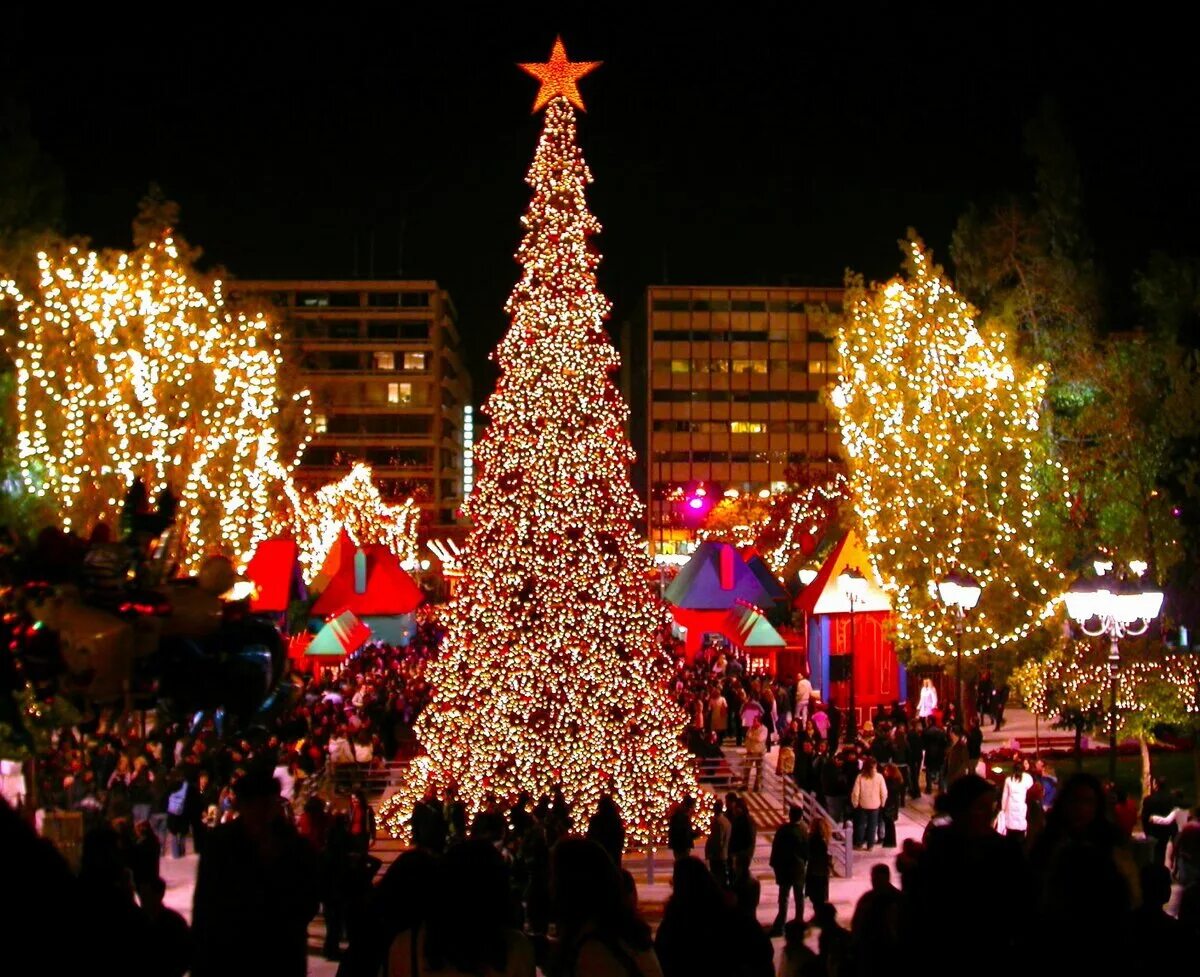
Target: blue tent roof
(770,582)
(698,584)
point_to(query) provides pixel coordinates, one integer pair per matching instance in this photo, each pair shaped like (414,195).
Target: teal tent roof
(747,628)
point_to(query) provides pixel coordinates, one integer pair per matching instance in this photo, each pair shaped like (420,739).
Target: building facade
(734,395)
(388,387)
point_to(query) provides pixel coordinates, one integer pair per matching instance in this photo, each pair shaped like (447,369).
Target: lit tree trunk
(1144,746)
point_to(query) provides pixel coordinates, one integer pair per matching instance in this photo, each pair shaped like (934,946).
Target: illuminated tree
(127,367)
(1155,689)
(550,674)
(352,503)
(787,525)
(941,434)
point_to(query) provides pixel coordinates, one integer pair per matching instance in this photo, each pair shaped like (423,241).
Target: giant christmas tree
(551,674)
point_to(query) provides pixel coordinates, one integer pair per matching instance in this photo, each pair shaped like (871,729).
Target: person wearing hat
(256,889)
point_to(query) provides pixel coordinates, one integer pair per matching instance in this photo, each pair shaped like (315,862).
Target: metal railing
(734,772)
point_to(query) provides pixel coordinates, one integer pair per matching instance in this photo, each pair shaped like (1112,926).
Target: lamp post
(959,592)
(853,586)
(1116,609)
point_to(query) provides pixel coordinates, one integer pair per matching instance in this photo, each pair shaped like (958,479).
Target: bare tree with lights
(551,674)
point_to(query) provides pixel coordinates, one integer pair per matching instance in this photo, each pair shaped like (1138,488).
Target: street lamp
(1118,609)
(853,586)
(960,592)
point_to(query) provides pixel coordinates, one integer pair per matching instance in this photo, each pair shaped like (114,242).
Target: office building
(735,395)
(381,361)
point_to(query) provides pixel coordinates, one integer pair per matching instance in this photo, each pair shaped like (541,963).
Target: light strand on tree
(551,674)
(941,436)
(126,368)
(315,519)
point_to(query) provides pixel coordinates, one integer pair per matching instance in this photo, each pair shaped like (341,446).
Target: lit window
(414,361)
(747,427)
(320,424)
(681,366)
(817,366)
(749,366)
(385,361)
(393,393)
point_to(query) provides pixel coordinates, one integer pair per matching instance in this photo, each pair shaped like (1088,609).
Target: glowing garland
(353,503)
(550,674)
(940,433)
(126,368)
(1079,680)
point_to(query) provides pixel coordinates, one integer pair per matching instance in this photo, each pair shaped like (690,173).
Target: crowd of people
(1005,872)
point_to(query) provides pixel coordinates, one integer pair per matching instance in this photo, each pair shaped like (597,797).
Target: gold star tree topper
(559,76)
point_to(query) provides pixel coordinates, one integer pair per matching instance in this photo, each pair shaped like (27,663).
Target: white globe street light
(960,592)
(1118,609)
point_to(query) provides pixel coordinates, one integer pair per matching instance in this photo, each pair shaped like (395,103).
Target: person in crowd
(177,815)
(999,702)
(803,699)
(256,890)
(700,934)
(718,714)
(716,847)
(868,797)
(1176,819)
(933,742)
(756,750)
(743,835)
(1158,802)
(1085,877)
(607,829)
(600,932)
(958,758)
(798,960)
(965,855)
(1124,812)
(916,757)
(469,922)
(1014,806)
(928,702)
(984,691)
(681,834)
(820,864)
(876,936)
(974,737)
(789,862)
(833,943)
(169,941)
(891,809)
(1157,935)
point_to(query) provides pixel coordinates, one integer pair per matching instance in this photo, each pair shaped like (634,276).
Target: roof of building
(823,596)
(716,577)
(385,590)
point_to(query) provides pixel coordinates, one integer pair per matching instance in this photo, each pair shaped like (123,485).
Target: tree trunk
(1144,745)
(1078,748)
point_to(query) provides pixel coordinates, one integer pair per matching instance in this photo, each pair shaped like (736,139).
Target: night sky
(765,145)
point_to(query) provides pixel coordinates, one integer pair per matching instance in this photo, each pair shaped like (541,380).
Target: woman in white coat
(927,704)
(1014,809)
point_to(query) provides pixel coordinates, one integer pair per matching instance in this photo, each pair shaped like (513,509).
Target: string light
(315,520)
(126,368)
(1149,692)
(551,673)
(941,437)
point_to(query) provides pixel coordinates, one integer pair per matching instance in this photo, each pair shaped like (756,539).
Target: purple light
(695,503)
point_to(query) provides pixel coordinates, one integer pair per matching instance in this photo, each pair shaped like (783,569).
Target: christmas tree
(941,433)
(551,672)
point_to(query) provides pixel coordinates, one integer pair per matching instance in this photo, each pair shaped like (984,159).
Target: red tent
(275,570)
(371,584)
